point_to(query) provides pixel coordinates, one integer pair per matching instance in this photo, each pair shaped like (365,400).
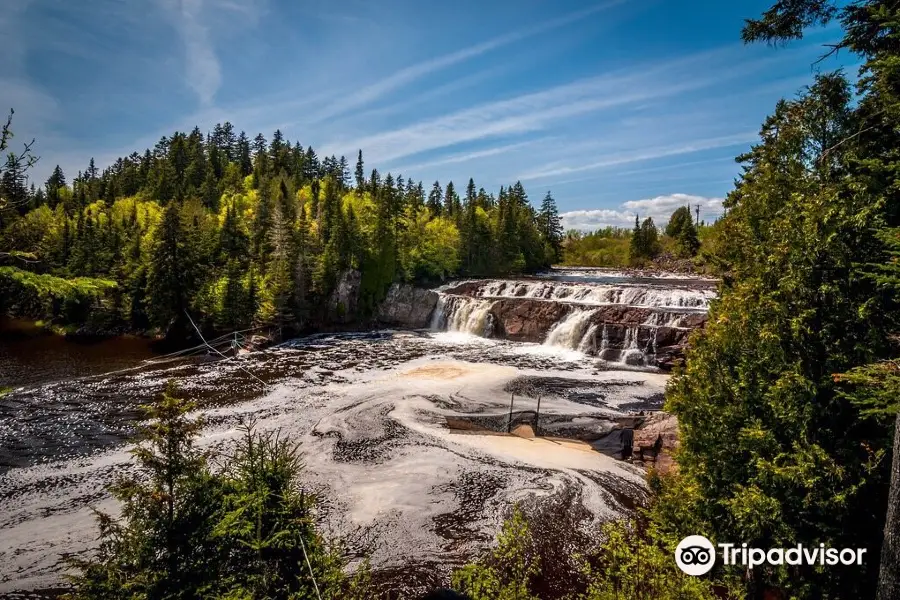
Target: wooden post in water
(537,416)
(512,397)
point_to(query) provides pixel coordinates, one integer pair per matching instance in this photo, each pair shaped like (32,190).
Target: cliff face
(407,306)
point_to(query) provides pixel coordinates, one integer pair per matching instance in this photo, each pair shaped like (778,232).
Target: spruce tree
(171,272)
(435,199)
(360,174)
(681,228)
(551,228)
(56,180)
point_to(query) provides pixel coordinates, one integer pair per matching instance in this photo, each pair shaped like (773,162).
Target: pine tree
(56,180)
(281,269)
(451,202)
(343,173)
(234,314)
(244,156)
(360,174)
(13,190)
(435,199)
(171,274)
(681,228)
(551,228)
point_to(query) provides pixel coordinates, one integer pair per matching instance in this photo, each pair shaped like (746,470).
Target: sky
(617,107)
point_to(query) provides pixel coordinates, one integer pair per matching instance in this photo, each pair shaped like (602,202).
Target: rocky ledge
(527,320)
(407,306)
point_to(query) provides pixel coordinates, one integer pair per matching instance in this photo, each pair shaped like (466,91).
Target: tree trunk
(889,577)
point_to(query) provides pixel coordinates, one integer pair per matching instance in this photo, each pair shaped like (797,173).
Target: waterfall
(600,294)
(620,322)
(570,332)
(588,343)
(631,353)
(438,317)
(463,314)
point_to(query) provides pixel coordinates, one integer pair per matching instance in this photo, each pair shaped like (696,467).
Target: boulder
(407,306)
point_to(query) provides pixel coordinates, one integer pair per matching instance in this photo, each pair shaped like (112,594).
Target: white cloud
(659,208)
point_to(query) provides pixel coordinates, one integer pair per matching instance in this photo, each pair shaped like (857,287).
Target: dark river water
(30,356)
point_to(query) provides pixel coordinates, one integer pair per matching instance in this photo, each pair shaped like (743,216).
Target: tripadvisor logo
(696,555)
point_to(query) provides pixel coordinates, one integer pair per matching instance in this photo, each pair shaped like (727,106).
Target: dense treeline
(641,246)
(240,231)
(786,405)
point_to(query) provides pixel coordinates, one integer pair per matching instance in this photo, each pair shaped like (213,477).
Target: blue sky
(617,106)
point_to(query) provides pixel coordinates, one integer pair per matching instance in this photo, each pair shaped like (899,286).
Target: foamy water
(371,412)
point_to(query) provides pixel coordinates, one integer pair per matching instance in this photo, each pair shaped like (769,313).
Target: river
(403,432)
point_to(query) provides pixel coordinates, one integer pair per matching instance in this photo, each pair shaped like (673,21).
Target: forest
(239,232)
(787,403)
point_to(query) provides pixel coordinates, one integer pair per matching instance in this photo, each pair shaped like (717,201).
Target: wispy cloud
(203,72)
(535,111)
(659,209)
(405,76)
(464,157)
(616,160)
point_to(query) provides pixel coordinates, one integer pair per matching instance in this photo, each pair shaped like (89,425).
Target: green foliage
(681,228)
(606,247)
(644,244)
(779,449)
(505,573)
(180,228)
(634,565)
(53,298)
(246,530)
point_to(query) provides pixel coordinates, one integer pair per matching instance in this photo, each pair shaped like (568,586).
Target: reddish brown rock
(654,441)
(526,320)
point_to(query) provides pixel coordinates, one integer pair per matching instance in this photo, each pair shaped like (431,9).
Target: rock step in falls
(629,325)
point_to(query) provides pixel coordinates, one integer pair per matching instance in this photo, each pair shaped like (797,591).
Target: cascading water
(621,321)
(570,332)
(465,315)
(603,294)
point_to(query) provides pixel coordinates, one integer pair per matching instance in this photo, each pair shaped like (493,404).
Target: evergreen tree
(681,228)
(244,155)
(435,199)
(13,190)
(170,278)
(551,228)
(56,180)
(360,173)
(452,203)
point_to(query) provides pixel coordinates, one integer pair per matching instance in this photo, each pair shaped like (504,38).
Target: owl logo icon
(695,555)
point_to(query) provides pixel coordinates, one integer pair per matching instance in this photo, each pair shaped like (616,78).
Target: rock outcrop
(526,320)
(654,441)
(407,306)
(344,300)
